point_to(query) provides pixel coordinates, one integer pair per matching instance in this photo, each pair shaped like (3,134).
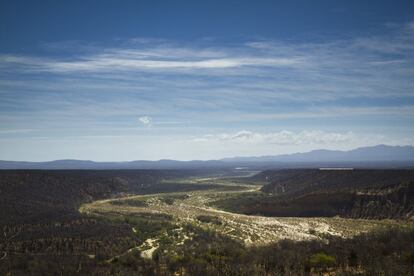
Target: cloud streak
(145,60)
(283,137)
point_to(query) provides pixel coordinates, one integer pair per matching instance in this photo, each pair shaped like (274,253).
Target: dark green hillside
(302,181)
(36,195)
(371,194)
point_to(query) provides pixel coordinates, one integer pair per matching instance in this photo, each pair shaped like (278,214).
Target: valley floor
(195,208)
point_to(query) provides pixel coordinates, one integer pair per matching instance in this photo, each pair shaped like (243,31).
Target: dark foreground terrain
(43,232)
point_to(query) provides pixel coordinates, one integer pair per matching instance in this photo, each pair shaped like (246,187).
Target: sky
(134,80)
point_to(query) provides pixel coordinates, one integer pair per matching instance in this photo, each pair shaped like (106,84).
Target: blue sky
(128,80)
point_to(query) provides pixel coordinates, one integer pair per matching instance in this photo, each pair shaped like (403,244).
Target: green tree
(321,261)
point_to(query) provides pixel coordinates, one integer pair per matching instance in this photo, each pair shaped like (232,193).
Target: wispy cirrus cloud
(377,66)
(130,60)
(357,83)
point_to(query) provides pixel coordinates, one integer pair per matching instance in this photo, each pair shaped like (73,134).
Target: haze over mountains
(380,155)
(363,154)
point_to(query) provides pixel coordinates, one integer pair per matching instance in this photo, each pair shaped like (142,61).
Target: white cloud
(311,71)
(284,137)
(146,120)
(121,62)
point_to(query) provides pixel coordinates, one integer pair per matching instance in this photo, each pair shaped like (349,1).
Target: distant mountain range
(375,153)
(381,155)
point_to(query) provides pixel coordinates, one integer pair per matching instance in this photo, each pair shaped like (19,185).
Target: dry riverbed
(187,208)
